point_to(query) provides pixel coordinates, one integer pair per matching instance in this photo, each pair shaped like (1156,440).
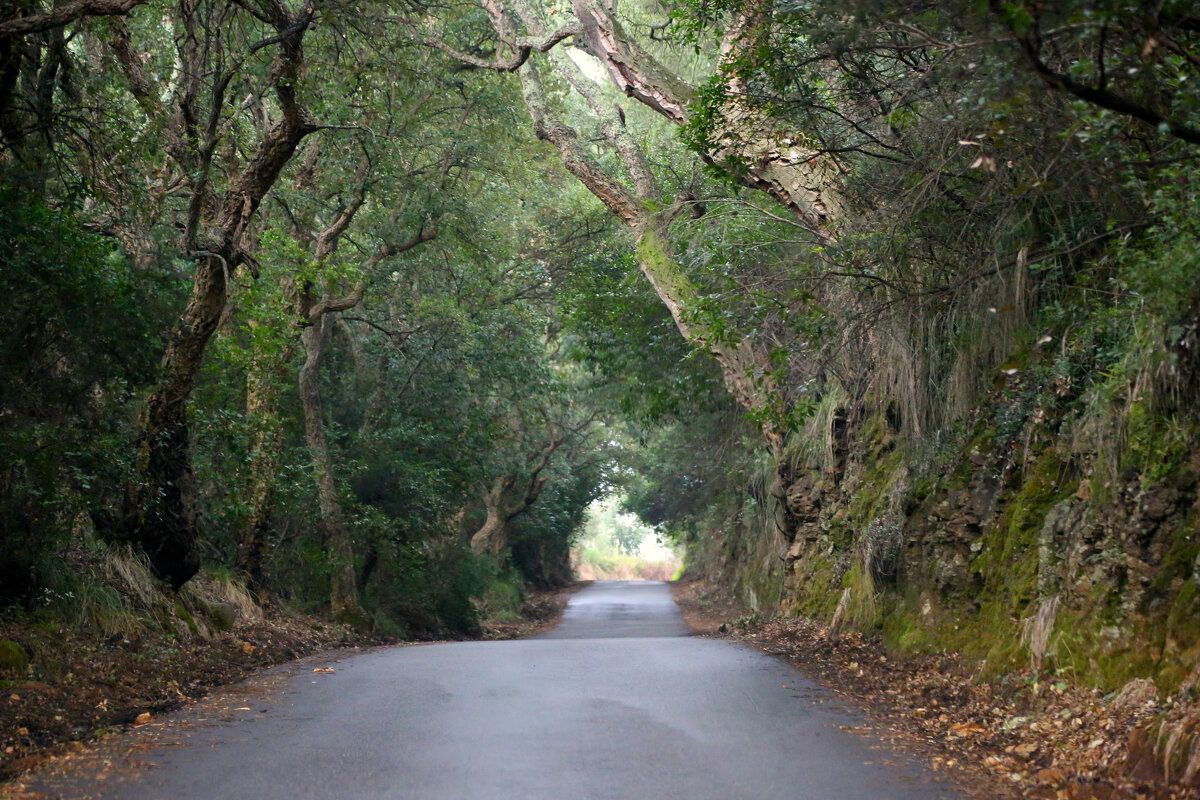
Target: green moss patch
(14,661)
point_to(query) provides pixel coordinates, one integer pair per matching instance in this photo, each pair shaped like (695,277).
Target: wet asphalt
(617,701)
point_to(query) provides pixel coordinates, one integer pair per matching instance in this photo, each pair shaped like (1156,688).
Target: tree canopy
(369,301)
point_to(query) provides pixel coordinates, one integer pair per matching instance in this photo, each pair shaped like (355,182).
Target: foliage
(1007,265)
(77,343)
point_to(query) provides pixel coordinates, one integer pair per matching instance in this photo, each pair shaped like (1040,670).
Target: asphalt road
(616,702)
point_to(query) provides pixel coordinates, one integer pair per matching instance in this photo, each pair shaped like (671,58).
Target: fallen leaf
(1025,750)
(965,729)
(323,669)
(1051,775)
(143,718)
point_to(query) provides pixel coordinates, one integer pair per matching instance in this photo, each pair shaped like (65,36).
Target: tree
(643,209)
(512,494)
(216,233)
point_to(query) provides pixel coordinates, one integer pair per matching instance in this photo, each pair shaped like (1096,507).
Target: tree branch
(64,14)
(635,71)
(575,157)
(1103,97)
(522,47)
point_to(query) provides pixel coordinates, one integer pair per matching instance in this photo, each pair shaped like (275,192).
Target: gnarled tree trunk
(159,504)
(492,536)
(159,511)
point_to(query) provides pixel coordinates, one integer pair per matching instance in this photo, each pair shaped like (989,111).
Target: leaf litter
(1020,736)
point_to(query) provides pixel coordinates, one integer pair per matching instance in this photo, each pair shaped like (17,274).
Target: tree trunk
(343,583)
(159,508)
(782,163)
(744,367)
(266,451)
(159,512)
(492,536)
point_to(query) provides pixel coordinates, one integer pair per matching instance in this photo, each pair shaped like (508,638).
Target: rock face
(1047,544)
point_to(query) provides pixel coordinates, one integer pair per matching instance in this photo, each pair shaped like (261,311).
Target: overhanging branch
(66,13)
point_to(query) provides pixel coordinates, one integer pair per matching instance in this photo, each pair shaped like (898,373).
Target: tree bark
(159,505)
(266,451)
(159,510)
(343,583)
(781,163)
(492,536)
(745,368)
(62,14)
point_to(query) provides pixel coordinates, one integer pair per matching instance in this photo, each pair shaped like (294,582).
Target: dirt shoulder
(1019,738)
(540,612)
(86,686)
(706,607)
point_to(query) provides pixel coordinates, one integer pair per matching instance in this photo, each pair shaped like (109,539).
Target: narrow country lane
(616,702)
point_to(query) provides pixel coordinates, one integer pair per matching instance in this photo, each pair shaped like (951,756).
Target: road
(617,702)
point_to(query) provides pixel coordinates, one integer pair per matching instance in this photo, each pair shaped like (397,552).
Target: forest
(886,312)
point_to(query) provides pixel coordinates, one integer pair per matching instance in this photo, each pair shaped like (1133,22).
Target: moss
(904,633)
(757,575)
(873,496)
(1185,609)
(765,587)
(1098,639)
(863,611)
(664,272)
(1157,447)
(1008,566)
(183,614)
(1179,561)
(14,661)
(813,595)
(912,624)
(1095,651)
(932,480)
(1181,642)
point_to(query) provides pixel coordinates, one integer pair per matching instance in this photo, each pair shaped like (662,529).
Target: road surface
(616,702)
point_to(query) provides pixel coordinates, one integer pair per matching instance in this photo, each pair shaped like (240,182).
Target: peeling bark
(635,72)
(781,163)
